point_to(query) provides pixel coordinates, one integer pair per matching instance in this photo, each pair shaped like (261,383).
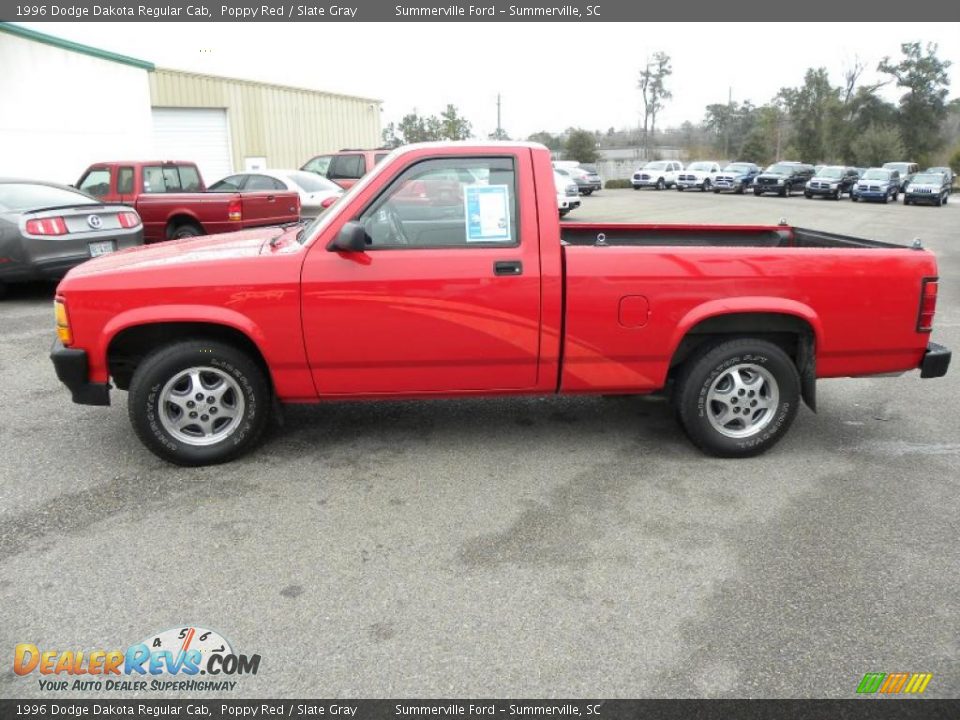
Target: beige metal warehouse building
(140,112)
(229,125)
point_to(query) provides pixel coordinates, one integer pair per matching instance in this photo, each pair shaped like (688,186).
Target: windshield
(737,168)
(899,167)
(876,175)
(928,178)
(830,172)
(25,196)
(655,166)
(700,166)
(311,182)
(780,169)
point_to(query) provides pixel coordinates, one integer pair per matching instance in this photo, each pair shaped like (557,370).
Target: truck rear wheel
(738,398)
(185,230)
(198,402)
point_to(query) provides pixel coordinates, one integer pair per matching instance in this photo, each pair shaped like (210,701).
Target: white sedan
(316,192)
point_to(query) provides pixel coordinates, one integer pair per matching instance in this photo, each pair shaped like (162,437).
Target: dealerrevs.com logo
(170,660)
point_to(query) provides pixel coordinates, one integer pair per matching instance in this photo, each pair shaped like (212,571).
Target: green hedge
(617,185)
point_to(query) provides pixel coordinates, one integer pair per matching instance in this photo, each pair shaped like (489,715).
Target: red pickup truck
(173,201)
(411,288)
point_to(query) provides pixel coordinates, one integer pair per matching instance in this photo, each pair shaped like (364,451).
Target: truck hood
(209,248)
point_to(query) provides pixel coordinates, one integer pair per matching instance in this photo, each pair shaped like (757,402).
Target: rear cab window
(319,165)
(171,179)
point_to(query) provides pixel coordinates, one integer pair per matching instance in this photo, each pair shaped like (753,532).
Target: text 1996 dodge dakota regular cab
(445,272)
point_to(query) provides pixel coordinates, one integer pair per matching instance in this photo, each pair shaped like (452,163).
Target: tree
(654,92)
(924,77)
(877,145)
(414,128)
(544,138)
(815,111)
(453,126)
(499,134)
(581,146)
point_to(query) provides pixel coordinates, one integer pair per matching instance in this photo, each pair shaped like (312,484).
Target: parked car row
(786,177)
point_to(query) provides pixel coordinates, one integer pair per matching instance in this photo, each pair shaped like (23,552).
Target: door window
(262,182)
(460,202)
(96,182)
(346,167)
(319,165)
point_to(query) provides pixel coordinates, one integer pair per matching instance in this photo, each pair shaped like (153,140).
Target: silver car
(316,192)
(46,229)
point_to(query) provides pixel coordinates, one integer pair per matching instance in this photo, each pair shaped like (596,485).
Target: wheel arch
(130,337)
(179,217)
(793,326)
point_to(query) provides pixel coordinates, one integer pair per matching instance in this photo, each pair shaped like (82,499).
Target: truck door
(446,296)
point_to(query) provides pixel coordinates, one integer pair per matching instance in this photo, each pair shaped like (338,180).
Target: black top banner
(478,11)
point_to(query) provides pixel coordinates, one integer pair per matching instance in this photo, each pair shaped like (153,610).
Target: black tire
(785,192)
(741,189)
(587,193)
(185,230)
(716,191)
(807,195)
(715,364)
(836,194)
(636,187)
(661,184)
(163,365)
(853,197)
(679,188)
(563,213)
(706,185)
(757,192)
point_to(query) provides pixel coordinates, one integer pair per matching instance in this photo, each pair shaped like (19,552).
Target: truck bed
(709,236)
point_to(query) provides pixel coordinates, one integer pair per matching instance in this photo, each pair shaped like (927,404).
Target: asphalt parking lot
(525,547)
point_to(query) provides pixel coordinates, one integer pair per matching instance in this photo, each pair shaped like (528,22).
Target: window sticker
(487,209)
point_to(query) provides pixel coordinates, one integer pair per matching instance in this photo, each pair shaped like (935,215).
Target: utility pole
(726,140)
(499,127)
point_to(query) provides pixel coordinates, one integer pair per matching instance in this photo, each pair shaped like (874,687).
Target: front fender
(156,314)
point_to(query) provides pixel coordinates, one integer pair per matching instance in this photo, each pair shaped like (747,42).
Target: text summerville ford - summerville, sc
(293,11)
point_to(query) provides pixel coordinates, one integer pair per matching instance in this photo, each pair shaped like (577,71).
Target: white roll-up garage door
(197,134)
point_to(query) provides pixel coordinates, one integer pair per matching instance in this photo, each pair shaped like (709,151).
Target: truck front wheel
(738,398)
(198,402)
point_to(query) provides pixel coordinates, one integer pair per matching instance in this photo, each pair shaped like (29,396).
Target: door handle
(271,198)
(508,267)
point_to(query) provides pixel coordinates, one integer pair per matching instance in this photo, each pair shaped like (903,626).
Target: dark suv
(347,166)
(832,181)
(782,178)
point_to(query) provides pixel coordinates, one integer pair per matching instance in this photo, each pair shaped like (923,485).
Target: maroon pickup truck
(173,201)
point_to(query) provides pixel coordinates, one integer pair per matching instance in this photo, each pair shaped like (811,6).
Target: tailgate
(268,207)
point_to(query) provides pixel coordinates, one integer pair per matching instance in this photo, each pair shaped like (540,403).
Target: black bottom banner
(854,709)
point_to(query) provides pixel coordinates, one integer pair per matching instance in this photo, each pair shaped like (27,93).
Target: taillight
(928,304)
(128,219)
(235,209)
(47,226)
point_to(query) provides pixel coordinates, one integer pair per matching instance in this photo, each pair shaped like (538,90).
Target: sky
(550,75)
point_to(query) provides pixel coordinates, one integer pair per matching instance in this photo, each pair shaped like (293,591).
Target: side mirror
(351,238)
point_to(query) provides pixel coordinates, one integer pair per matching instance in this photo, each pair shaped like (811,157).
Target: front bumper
(692,183)
(931,198)
(873,194)
(71,367)
(568,203)
(826,192)
(936,360)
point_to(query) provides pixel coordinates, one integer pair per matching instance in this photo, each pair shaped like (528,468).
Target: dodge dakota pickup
(471,286)
(173,201)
